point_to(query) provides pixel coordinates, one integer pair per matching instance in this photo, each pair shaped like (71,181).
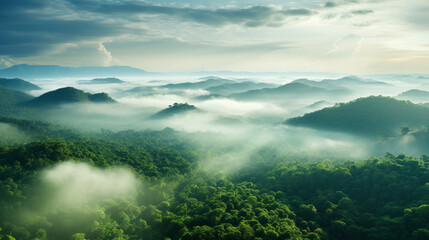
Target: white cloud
(106,54)
(6,62)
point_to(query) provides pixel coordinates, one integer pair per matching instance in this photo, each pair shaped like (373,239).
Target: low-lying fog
(253,119)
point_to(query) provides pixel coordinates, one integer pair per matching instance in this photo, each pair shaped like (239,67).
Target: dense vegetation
(370,116)
(278,195)
(176,108)
(10,97)
(18,84)
(68,95)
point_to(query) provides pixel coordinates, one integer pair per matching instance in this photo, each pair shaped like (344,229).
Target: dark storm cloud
(251,17)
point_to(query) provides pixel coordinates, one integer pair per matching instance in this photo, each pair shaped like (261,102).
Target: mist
(254,121)
(11,135)
(72,184)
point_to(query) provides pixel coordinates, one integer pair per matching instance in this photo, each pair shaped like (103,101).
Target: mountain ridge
(293,89)
(55,71)
(377,116)
(68,95)
(18,84)
(9,97)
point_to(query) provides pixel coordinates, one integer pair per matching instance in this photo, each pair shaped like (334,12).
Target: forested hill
(18,84)
(9,97)
(370,116)
(172,110)
(68,95)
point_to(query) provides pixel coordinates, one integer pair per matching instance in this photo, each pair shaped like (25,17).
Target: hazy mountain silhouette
(54,71)
(319,104)
(230,88)
(110,80)
(206,83)
(68,95)
(209,96)
(295,89)
(18,84)
(414,95)
(345,82)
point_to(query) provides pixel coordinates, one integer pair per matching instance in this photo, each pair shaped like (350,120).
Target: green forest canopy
(278,196)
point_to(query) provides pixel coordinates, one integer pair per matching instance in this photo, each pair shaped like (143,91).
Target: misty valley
(119,153)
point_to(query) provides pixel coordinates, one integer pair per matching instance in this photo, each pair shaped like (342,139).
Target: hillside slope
(18,84)
(172,110)
(375,116)
(68,95)
(10,97)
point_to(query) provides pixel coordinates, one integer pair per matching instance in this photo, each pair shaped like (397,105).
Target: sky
(353,36)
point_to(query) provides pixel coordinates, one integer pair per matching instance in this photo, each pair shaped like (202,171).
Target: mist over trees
(192,160)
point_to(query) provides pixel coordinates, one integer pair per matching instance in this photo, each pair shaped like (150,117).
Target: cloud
(416,16)
(40,27)
(29,28)
(31,36)
(346,46)
(106,54)
(362,12)
(254,16)
(72,184)
(330,4)
(6,62)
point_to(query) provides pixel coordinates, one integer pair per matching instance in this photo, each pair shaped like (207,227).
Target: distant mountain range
(54,71)
(68,95)
(370,116)
(237,87)
(344,82)
(294,89)
(206,83)
(18,84)
(414,95)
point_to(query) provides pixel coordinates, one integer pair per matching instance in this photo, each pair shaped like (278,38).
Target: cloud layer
(214,35)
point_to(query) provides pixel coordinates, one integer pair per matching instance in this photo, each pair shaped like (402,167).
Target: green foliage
(371,116)
(278,196)
(18,84)
(174,109)
(68,95)
(9,97)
